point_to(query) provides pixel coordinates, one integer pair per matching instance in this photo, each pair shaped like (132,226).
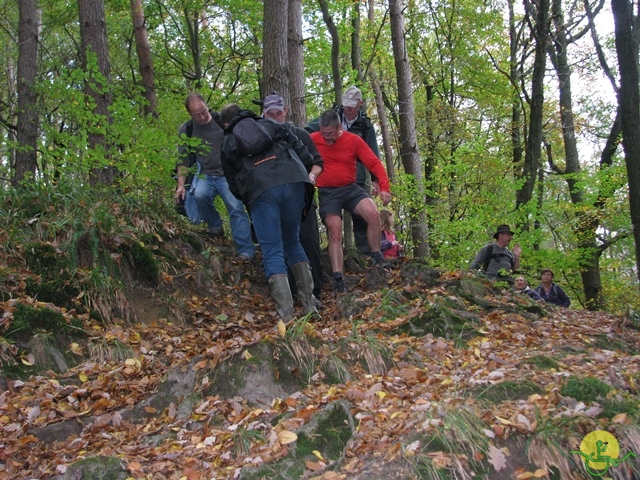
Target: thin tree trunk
(629,101)
(297,103)
(408,140)
(534,139)
(27,115)
(145,61)
(335,50)
(383,121)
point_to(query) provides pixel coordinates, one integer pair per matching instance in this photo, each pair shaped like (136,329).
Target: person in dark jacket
(551,292)
(521,286)
(272,184)
(273,107)
(355,121)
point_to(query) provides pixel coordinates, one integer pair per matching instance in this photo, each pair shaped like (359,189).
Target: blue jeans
(193,212)
(276,215)
(205,192)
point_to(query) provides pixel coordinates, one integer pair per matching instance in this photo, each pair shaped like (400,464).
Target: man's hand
(385,197)
(375,188)
(517,250)
(180,194)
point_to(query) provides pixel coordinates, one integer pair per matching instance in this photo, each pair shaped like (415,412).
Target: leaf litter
(429,377)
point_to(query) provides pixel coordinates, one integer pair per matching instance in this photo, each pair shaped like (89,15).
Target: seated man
(521,286)
(551,292)
(495,259)
(338,190)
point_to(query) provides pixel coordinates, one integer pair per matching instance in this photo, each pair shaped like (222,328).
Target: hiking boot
(304,284)
(380,262)
(216,232)
(339,286)
(281,294)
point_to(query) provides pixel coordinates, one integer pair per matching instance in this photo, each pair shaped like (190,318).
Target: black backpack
(251,137)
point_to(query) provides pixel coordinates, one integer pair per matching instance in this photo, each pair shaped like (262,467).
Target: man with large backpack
(495,259)
(270,169)
(354,120)
(207,127)
(273,107)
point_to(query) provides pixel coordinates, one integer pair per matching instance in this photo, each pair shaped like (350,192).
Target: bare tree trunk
(629,102)
(383,120)
(192,21)
(275,57)
(27,115)
(588,218)
(515,77)
(335,50)
(534,139)
(145,61)
(408,140)
(297,103)
(93,33)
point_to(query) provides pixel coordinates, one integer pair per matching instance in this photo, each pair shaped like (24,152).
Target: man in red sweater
(337,189)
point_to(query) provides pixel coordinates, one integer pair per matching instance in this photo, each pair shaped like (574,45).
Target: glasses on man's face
(328,133)
(201,114)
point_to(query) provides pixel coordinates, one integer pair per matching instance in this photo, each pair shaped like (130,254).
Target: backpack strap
(488,255)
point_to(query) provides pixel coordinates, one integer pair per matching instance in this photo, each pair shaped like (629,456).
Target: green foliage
(509,390)
(586,389)
(330,437)
(143,262)
(74,240)
(28,320)
(542,362)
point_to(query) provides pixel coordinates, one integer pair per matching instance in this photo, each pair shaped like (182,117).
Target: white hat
(352,96)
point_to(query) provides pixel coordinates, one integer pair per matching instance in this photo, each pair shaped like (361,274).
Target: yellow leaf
(539,473)
(282,328)
(285,437)
(246,355)
(319,455)
(83,377)
(504,421)
(381,394)
(524,476)
(620,418)
(26,362)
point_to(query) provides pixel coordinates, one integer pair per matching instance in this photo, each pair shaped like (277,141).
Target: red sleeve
(372,162)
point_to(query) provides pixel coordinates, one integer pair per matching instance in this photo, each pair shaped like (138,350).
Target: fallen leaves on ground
(429,373)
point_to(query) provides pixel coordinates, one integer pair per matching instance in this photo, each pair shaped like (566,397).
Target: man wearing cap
(273,107)
(495,259)
(355,121)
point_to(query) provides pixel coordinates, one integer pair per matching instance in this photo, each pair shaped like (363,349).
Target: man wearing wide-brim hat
(495,260)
